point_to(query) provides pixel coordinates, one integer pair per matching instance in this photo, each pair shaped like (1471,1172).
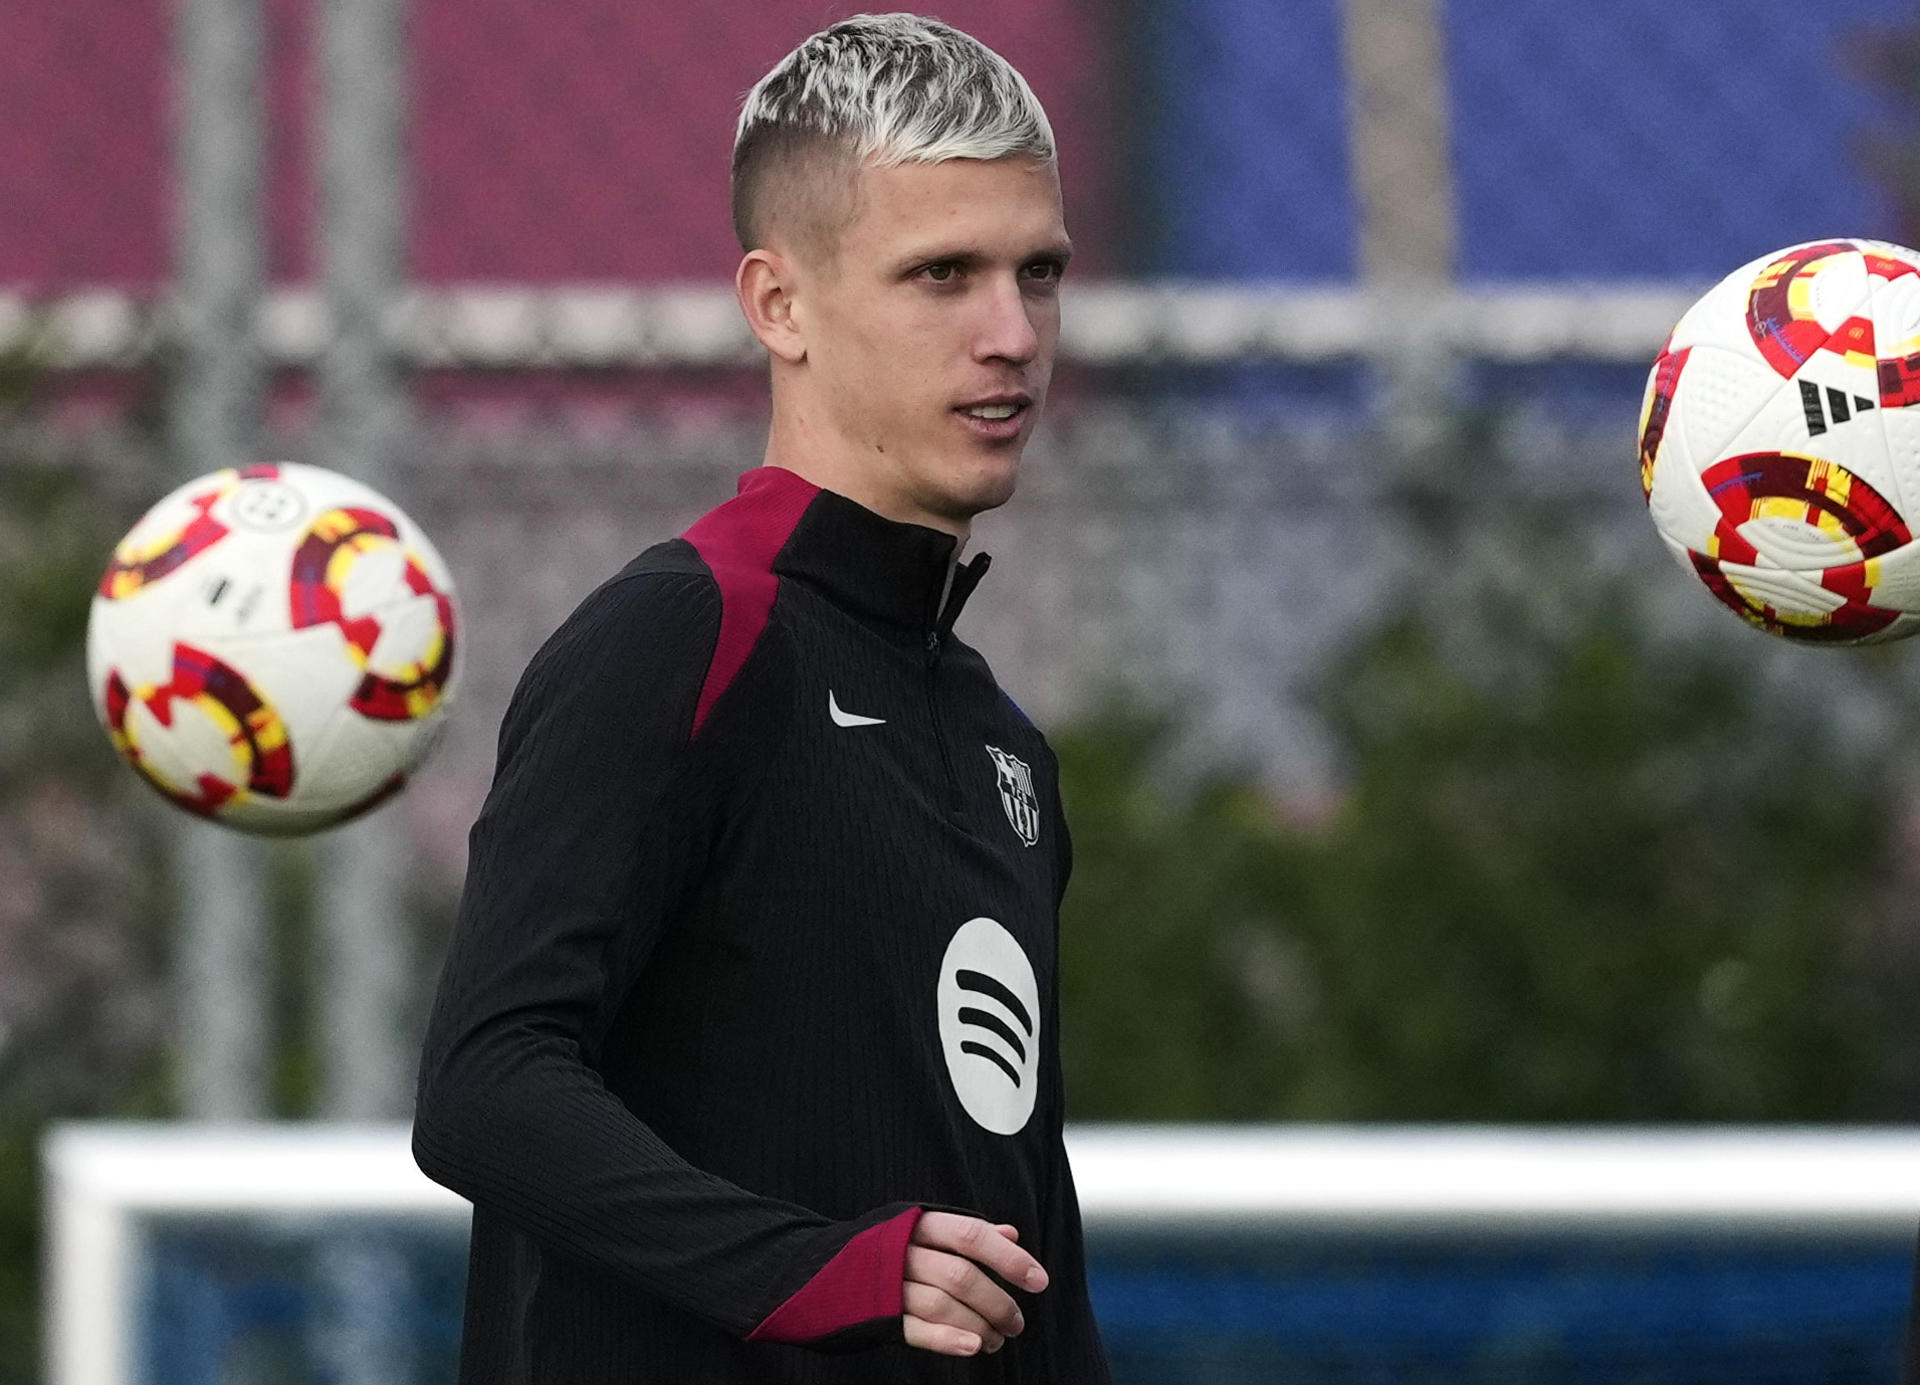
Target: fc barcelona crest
(1016,795)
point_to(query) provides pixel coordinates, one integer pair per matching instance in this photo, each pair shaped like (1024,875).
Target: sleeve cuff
(862,1284)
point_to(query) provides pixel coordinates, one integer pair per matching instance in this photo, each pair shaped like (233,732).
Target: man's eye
(939,273)
(1044,271)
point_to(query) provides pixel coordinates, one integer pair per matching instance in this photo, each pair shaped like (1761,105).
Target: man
(746,1047)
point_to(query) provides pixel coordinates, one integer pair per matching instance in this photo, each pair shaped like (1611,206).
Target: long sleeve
(604,806)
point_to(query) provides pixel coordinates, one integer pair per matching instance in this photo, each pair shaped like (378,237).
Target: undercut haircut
(875,90)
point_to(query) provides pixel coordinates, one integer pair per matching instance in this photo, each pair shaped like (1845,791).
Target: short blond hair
(880,90)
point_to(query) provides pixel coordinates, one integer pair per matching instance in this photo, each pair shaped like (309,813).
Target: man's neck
(859,484)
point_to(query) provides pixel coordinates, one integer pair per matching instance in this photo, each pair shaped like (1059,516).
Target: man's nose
(1006,331)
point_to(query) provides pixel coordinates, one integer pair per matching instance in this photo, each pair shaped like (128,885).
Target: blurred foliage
(82,997)
(80,856)
(1575,873)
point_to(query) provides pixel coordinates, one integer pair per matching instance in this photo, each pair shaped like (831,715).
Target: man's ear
(765,282)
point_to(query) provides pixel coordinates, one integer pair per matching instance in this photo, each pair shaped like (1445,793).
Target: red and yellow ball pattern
(322,569)
(1778,446)
(274,648)
(262,760)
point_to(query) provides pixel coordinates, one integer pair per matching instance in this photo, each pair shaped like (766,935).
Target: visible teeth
(994,410)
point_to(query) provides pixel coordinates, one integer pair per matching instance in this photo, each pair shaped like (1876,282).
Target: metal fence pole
(1405,202)
(1403,174)
(363,967)
(216,415)
(361,927)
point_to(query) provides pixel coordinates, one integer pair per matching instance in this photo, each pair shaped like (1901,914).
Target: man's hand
(952,1304)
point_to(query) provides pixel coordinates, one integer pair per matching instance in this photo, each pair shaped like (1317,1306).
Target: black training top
(755,961)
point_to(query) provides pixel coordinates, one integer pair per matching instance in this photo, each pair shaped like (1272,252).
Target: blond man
(746,1051)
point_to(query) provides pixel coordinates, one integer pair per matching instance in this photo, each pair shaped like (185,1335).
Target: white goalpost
(108,1184)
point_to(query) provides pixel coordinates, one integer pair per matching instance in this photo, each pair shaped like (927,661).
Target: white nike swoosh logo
(841,718)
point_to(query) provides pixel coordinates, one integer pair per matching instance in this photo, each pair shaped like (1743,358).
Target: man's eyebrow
(971,258)
(967,259)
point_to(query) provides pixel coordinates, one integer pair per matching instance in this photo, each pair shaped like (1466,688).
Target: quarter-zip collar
(888,574)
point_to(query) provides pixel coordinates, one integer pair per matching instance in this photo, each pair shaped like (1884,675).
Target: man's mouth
(996,408)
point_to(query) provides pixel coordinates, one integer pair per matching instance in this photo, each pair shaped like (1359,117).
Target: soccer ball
(1779,453)
(273,648)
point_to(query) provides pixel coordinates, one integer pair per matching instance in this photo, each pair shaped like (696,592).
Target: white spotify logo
(990,1025)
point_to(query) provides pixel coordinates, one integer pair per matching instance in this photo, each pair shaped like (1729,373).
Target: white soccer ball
(274,648)
(1779,451)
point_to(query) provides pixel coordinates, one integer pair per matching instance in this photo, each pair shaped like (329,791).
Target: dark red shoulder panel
(864,1282)
(738,542)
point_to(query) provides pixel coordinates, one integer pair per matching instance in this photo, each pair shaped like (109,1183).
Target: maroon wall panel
(593,149)
(83,142)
